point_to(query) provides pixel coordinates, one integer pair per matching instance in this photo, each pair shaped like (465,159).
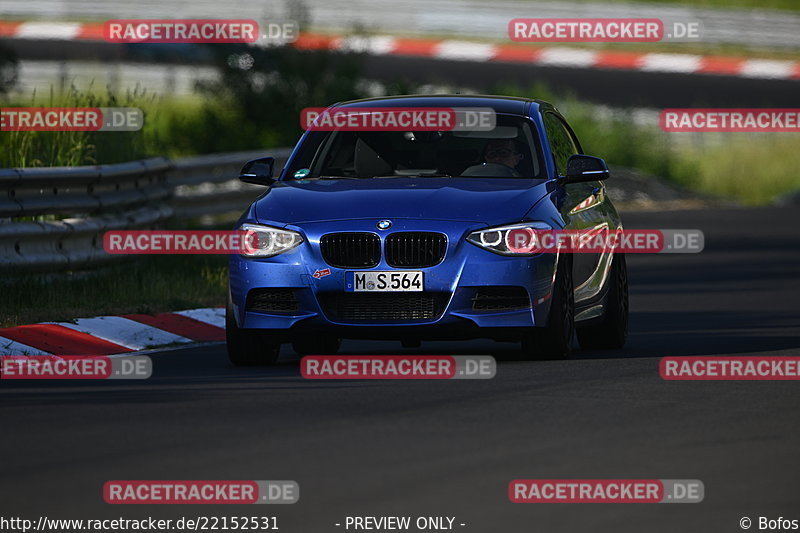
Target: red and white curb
(556,56)
(559,56)
(109,335)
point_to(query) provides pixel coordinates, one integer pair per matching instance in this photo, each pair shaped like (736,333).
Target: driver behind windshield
(500,157)
(502,152)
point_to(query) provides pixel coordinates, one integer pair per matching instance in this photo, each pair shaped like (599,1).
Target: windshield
(507,151)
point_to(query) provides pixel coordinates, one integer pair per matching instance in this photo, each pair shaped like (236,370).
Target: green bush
(267,88)
(71,148)
(255,104)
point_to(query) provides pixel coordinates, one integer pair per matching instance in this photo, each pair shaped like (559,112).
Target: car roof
(501,104)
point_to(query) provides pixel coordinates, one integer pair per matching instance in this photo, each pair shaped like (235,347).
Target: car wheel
(248,347)
(322,345)
(613,330)
(555,340)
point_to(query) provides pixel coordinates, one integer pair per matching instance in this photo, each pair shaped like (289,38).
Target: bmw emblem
(384,224)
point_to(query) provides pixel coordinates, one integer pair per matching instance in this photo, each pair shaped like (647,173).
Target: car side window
(562,143)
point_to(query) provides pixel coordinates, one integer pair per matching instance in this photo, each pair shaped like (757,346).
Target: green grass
(244,109)
(752,169)
(147,284)
(172,128)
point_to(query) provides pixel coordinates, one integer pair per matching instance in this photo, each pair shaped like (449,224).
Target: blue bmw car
(404,235)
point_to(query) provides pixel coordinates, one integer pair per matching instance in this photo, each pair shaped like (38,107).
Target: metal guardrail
(84,202)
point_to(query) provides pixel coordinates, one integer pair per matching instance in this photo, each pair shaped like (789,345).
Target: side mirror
(258,171)
(582,168)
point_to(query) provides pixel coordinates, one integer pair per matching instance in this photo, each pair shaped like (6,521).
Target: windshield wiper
(432,175)
(330,178)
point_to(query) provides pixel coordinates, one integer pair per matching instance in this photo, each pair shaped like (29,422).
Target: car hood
(488,200)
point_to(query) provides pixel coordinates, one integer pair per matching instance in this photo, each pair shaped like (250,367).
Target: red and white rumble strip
(556,56)
(108,335)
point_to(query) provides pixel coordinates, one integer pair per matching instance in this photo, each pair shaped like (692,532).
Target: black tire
(555,340)
(612,332)
(248,347)
(319,345)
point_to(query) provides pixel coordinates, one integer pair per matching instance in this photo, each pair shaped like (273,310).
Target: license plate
(383,281)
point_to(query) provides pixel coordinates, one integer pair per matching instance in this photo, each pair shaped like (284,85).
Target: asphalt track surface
(450,448)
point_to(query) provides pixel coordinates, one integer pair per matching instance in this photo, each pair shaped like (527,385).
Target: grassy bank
(172,127)
(149,284)
(753,169)
(255,103)
(750,168)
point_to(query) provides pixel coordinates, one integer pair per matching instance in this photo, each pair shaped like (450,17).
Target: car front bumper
(465,270)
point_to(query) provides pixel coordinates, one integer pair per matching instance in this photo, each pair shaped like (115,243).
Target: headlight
(266,241)
(514,239)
